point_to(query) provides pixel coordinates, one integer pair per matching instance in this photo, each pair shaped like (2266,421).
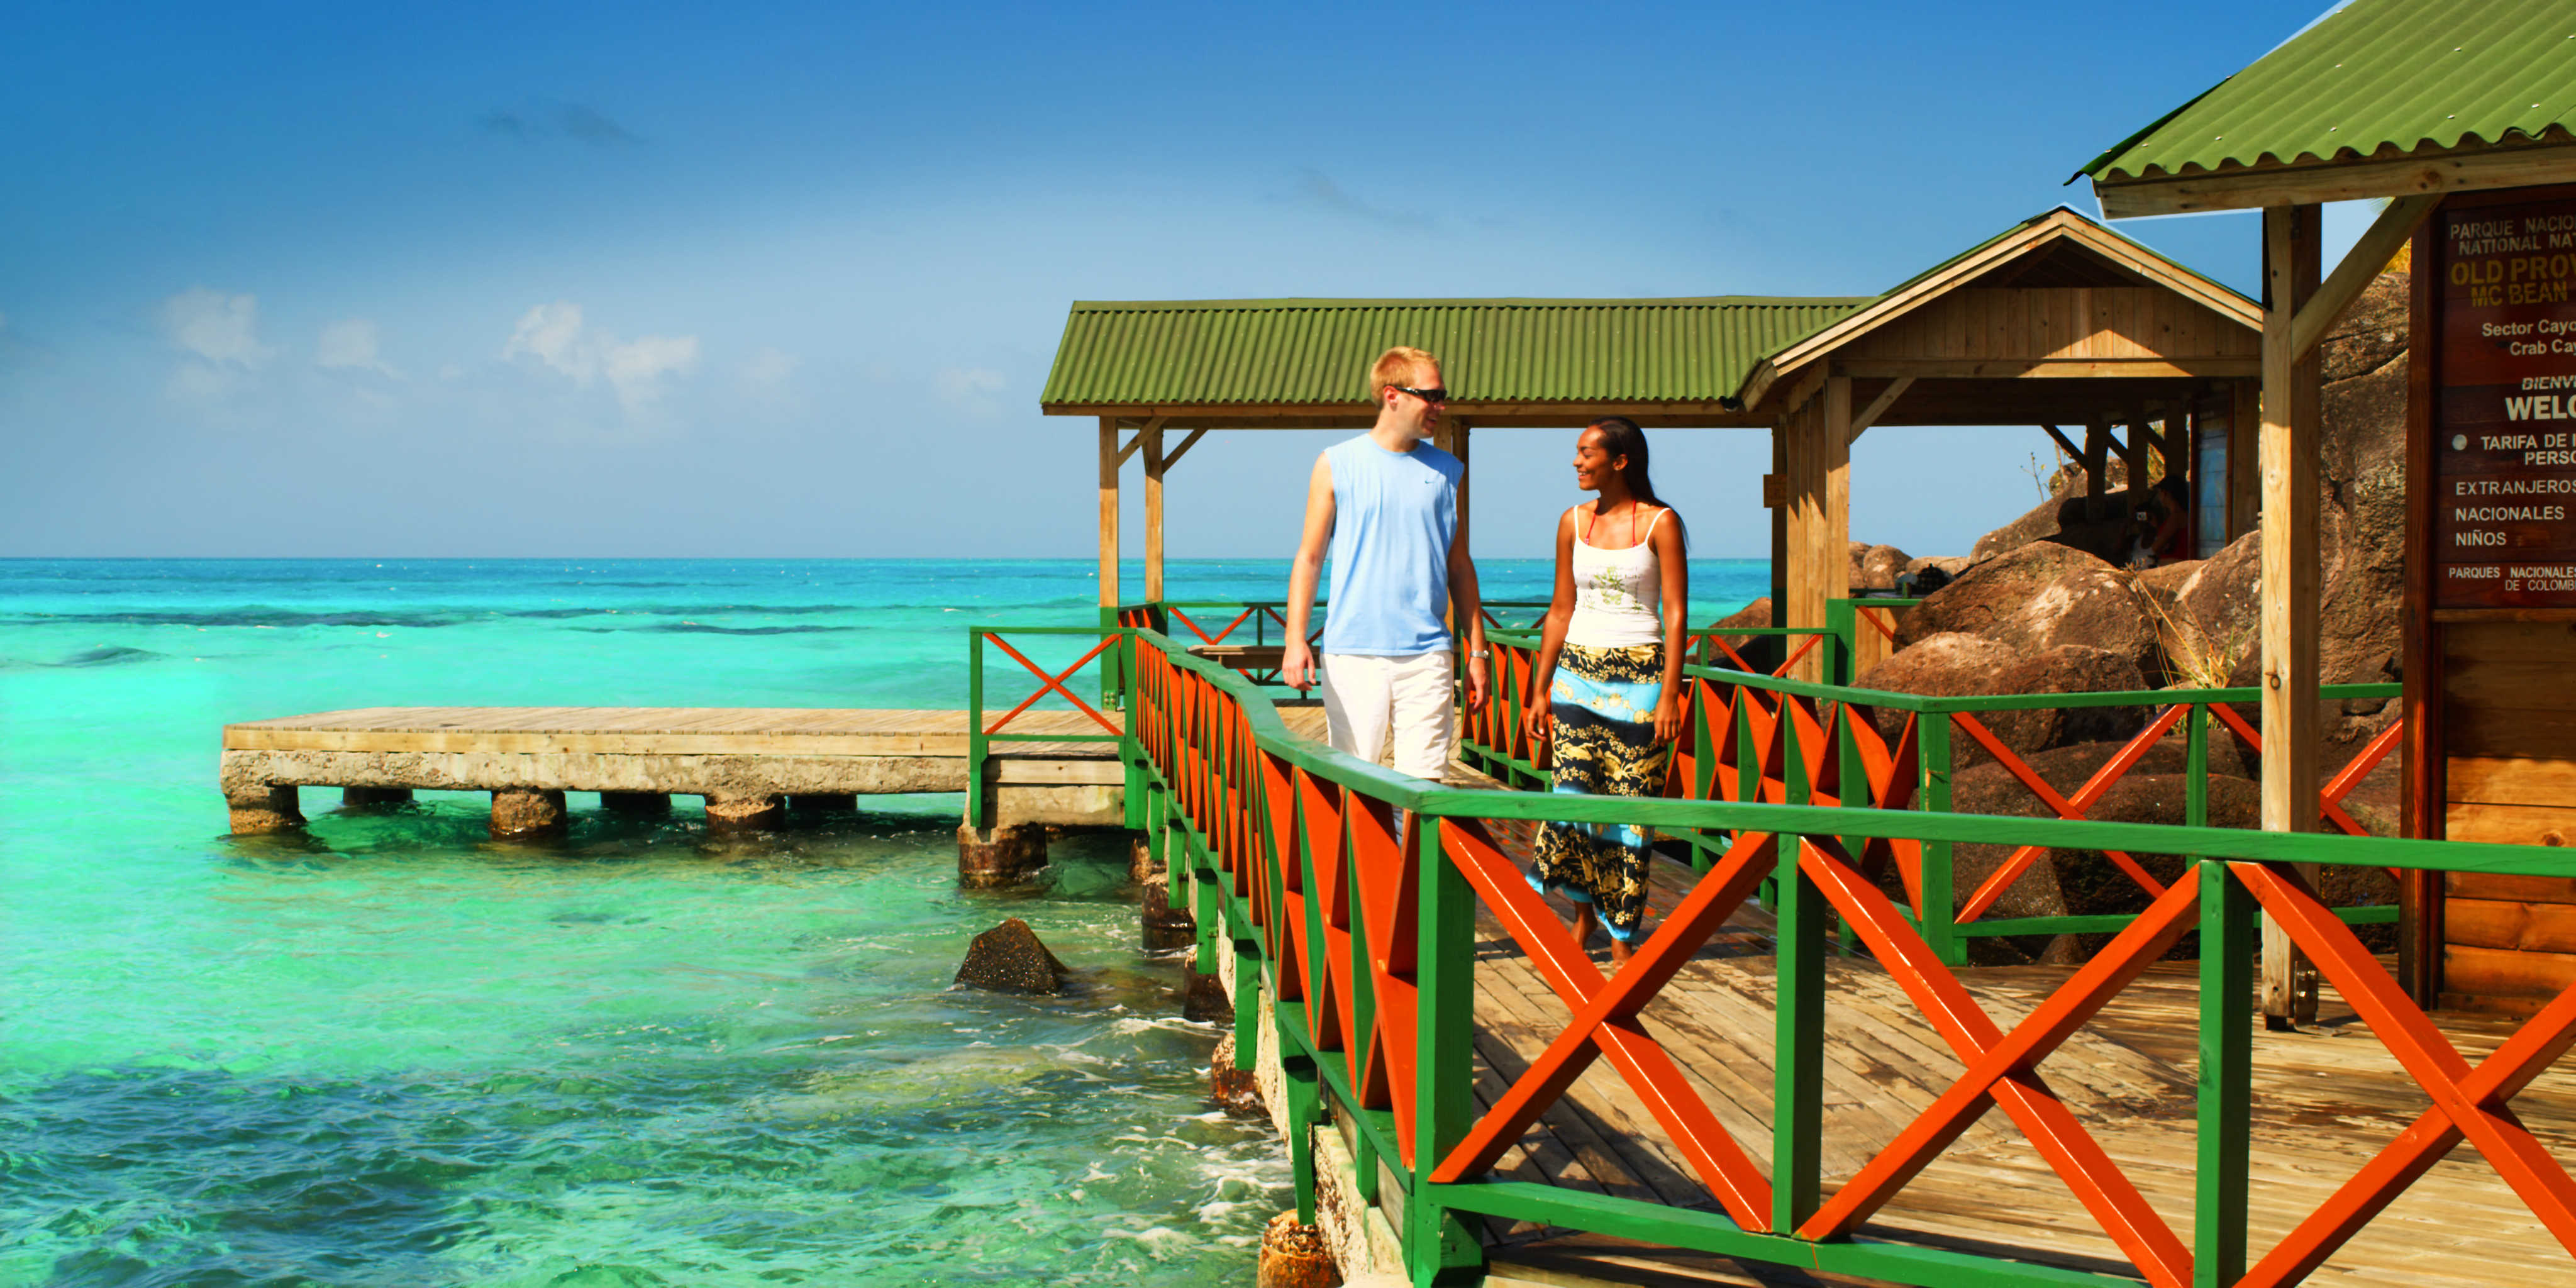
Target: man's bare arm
(1297,663)
(1467,601)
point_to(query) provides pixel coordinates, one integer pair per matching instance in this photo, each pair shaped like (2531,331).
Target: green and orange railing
(1360,930)
(1755,737)
(1347,895)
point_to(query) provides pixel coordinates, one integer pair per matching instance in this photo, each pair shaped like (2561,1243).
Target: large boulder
(2208,611)
(1755,614)
(1010,959)
(1958,664)
(2098,607)
(1990,592)
(2100,529)
(1876,567)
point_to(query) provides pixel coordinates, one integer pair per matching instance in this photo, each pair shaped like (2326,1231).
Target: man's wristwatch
(1480,655)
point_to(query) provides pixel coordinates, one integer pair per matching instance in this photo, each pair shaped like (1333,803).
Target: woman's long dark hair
(1620,436)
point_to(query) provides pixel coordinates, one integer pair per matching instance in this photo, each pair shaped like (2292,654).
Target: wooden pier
(748,762)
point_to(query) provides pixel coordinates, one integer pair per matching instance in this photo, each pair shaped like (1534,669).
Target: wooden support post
(1153,435)
(1833,543)
(2291,393)
(2177,440)
(2133,456)
(2097,452)
(2420,933)
(2244,457)
(1108,512)
(1775,495)
(1458,447)
(1818,504)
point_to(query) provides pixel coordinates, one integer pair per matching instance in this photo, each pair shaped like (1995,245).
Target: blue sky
(784,280)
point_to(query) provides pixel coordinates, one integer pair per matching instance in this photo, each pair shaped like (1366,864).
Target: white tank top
(1617,593)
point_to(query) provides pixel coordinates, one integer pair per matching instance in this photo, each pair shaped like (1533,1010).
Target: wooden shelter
(2054,322)
(2458,114)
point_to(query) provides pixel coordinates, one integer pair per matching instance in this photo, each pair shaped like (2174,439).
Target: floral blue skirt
(1604,703)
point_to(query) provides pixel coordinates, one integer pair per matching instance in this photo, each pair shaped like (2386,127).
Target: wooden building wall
(2057,324)
(2509,734)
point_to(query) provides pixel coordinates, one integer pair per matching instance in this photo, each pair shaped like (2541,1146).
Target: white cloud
(217,327)
(768,367)
(353,345)
(557,336)
(970,389)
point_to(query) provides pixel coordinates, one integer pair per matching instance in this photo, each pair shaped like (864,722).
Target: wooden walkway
(2324,1100)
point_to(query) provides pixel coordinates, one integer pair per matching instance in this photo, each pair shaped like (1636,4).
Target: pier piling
(991,856)
(527,814)
(749,812)
(262,809)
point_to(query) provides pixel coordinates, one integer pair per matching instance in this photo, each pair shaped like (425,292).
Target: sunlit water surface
(393,1052)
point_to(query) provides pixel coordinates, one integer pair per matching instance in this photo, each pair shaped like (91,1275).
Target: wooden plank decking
(2325,1100)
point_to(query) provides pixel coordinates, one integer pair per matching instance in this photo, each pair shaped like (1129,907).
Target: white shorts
(1365,697)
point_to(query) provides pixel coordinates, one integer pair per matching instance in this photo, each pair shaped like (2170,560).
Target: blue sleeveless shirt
(1394,515)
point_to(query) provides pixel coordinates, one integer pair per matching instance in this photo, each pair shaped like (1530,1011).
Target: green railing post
(1305,1100)
(2195,773)
(1852,789)
(1703,775)
(2227,921)
(1748,778)
(975,740)
(1798,998)
(1838,650)
(1438,1244)
(1940,899)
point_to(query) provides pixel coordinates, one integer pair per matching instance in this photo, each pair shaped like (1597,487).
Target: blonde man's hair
(1396,367)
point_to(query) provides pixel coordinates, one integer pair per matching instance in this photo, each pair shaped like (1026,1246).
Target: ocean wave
(240,617)
(112,655)
(701,628)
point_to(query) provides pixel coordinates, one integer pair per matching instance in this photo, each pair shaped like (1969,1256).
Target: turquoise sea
(391,1052)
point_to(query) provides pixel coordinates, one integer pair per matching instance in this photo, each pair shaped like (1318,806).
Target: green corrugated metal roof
(2378,77)
(1243,352)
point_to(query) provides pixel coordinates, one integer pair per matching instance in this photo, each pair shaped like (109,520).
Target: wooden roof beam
(1174,456)
(2506,167)
(2359,268)
(1878,407)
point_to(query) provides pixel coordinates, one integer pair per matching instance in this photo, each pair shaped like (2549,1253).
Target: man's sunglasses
(1426,395)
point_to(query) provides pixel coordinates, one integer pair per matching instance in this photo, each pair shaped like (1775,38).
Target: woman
(1612,715)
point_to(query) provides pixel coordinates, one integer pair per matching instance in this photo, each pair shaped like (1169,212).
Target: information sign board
(2505,407)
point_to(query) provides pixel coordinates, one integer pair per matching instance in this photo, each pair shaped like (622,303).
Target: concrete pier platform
(744,760)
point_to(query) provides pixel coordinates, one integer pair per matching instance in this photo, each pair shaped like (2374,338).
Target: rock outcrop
(1958,664)
(1010,959)
(1876,567)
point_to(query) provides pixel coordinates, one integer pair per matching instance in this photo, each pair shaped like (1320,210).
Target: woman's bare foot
(1618,951)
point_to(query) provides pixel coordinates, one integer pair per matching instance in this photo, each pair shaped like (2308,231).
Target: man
(1387,503)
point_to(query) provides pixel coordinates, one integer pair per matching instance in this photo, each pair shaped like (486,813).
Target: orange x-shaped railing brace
(2001,1068)
(1054,683)
(1605,1017)
(2467,1103)
(1219,637)
(2091,794)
